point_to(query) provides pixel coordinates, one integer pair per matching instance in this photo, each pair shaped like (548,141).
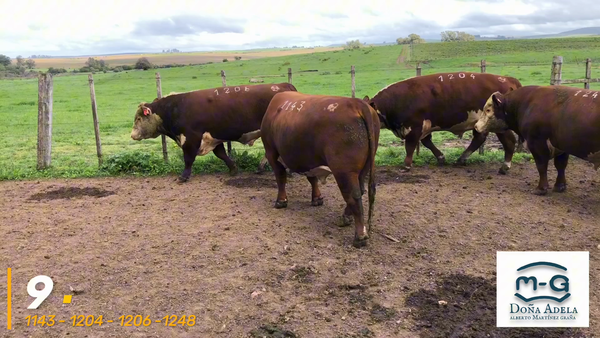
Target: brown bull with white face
(318,136)
(414,108)
(554,121)
(201,121)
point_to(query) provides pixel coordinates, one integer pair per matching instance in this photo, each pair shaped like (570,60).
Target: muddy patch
(465,306)
(70,192)
(272,331)
(252,182)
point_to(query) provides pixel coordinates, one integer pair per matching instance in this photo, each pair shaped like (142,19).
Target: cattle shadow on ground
(396,176)
(70,192)
(244,182)
(470,311)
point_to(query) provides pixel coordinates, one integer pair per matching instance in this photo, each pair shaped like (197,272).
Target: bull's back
(568,116)
(444,97)
(307,129)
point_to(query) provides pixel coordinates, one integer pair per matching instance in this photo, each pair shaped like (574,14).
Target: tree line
(446,36)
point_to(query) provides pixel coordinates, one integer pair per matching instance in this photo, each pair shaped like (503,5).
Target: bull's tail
(368,118)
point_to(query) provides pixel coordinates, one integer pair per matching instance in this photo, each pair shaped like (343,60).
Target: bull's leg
(427,142)
(190,150)
(410,144)
(508,141)
(316,193)
(541,155)
(280,177)
(261,166)
(219,151)
(476,142)
(560,162)
(350,188)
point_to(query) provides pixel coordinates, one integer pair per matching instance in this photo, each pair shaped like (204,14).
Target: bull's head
(145,124)
(382,118)
(494,115)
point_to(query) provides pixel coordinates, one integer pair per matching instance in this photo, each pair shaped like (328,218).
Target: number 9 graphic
(39,295)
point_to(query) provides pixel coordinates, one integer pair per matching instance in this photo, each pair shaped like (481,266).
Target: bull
(318,136)
(414,108)
(201,121)
(553,121)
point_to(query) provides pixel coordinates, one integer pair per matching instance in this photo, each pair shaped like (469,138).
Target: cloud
(181,25)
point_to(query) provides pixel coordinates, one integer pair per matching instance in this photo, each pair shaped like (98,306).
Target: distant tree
(20,61)
(454,36)
(30,63)
(238,57)
(353,44)
(143,63)
(225,60)
(4,60)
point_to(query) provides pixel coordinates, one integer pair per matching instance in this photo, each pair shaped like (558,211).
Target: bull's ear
(382,119)
(366,98)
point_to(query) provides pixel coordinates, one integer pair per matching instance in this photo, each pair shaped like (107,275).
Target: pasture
(126,243)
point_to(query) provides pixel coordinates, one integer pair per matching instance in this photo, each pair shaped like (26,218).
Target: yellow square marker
(67,299)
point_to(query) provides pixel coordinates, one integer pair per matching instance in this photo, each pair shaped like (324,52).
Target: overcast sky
(57,27)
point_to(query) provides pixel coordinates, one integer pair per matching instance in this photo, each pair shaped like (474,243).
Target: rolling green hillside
(118,94)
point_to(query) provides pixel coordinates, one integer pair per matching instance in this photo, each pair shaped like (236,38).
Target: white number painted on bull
(579,91)
(301,105)
(595,95)
(473,76)
(247,89)
(461,75)
(274,88)
(237,89)
(294,105)
(217,91)
(441,78)
(226,90)
(501,79)
(451,76)
(587,94)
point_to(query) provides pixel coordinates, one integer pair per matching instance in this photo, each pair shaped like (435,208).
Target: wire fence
(84,129)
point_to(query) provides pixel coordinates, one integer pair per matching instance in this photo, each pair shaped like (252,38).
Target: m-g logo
(563,287)
(551,290)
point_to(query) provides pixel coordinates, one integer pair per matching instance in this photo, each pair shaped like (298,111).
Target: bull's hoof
(503,170)
(404,169)
(360,242)
(317,202)
(540,192)
(233,171)
(280,204)
(460,162)
(560,187)
(345,220)
(182,179)
(441,161)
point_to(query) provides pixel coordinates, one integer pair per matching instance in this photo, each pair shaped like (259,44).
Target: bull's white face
(493,118)
(145,126)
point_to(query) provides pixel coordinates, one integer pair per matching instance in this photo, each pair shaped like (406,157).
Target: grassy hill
(118,94)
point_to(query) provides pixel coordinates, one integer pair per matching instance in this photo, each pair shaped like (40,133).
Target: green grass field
(118,94)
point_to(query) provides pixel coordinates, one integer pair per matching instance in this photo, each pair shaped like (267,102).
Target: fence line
(95,118)
(163,139)
(45,101)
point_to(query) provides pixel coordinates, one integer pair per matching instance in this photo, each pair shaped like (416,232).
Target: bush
(127,67)
(225,60)
(143,63)
(238,57)
(53,70)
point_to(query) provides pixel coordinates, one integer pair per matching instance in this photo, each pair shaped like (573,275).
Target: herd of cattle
(322,135)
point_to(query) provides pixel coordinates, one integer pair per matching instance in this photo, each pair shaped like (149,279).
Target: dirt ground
(216,248)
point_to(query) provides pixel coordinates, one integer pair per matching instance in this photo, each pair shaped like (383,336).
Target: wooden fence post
(95,118)
(588,73)
(482,147)
(224,81)
(44,145)
(556,74)
(352,71)
(162,137)
(290,75)
(418,69)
